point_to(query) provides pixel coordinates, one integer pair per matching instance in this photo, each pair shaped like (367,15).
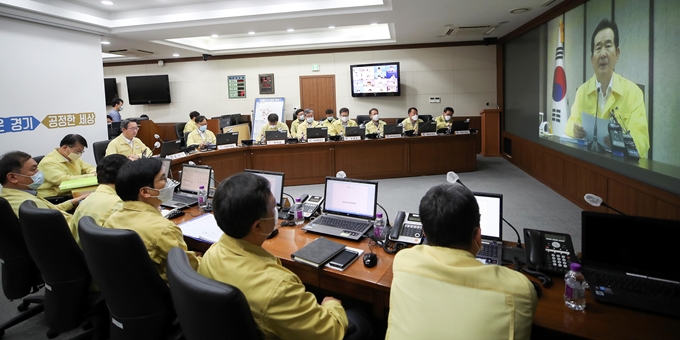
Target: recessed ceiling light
(290,30)
(108,3)
(175,55)
(331,27)
(520,10)
(105,42)
(251,32)
(215,36)
(374,24)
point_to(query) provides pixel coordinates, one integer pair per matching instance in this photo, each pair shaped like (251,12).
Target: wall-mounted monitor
(110,90)
(375,80)
(148,90)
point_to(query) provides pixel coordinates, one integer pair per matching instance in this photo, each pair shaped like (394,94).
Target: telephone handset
(310,204)
(548,251)
(407,228)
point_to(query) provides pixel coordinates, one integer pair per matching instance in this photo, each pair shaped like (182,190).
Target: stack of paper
(203,228)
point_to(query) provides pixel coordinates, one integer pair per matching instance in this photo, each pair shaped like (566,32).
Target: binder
(318,253)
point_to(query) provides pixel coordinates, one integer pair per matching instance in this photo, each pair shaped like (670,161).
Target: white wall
(46,70)
(464,78)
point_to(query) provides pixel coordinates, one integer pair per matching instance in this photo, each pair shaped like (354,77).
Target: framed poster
(237,87)
(266,83)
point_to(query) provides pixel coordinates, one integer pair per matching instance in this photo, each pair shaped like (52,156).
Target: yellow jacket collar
(139,206)
(248,249)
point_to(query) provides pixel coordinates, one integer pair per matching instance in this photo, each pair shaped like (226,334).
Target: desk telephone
(407,228)
(548,251)
(310,204)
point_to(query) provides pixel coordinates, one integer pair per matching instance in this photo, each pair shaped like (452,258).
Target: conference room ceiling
(168,29)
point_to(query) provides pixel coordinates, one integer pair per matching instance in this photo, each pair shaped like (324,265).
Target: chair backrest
(185,140)
(99,149)
(363,118)
(137,298)
(206,307)
(61,262)
(38,158)
(19,273)
(425,118)
(179,129)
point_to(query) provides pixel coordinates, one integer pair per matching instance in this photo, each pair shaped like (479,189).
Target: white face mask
(73,156)
(344,119)
(375,117)
(120,108)
(415,117)
(272,126)
(270,218)
(165,193)
(301,118)
(310,120)
(447,118)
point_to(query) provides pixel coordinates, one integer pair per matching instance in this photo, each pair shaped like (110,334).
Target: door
(318,93)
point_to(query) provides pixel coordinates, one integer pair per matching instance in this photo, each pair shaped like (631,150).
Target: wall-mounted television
(110,90)
(375,80)
(148,90)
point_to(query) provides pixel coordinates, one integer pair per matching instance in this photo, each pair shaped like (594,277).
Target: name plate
(396,135)
(275,142)
(176,155)
(316,140)
(353,138)
(226,146)
(461,132)
(428,134)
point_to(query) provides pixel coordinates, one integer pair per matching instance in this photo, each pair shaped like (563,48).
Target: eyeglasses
(133,128)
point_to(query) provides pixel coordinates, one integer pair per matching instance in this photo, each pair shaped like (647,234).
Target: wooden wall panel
(372,159)
(553,173)
(429,154)
(225,164)
(301,163)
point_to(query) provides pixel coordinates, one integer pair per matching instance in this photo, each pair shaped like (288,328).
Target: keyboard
(489,250)
(184,199)
(343,223)
(633,284)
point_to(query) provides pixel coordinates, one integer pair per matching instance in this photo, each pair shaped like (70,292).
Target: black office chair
(179,129)
(114,130)
(38,158)
(425,118)
(20,276)
(99,149)
(185,140)
(138,299)
(68,302)
(206,307)
(363,118)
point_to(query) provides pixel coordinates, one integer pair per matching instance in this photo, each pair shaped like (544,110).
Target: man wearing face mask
(142,186)
(309,122)
(328,122)
(116,107)
(344,121)
(444,121)
(201,136)
(450,281)
(20,177)
(64,164)
(375,125)
(273,124)
(298,118)
(411,123)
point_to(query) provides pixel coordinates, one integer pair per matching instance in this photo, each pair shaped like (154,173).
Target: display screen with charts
(374,80)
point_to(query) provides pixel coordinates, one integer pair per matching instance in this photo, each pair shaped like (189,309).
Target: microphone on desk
(596,201)
(158,138)
(341,174)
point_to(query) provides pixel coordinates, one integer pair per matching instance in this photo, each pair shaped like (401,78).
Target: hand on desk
(578,131)
(77,200)
(133,157)
(330,298)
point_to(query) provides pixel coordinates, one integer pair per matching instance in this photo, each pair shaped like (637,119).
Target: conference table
(310,163)
(552,319)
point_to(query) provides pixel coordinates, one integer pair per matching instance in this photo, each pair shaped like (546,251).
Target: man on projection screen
(612,92)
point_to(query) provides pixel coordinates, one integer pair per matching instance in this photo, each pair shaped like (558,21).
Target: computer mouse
(370,260)
(274,233)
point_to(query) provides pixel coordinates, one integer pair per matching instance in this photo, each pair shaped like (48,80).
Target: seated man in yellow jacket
(339,125)
(20,177)
(191,124)
(245,210)
(127,143)
(64,164)
(273,124)
(298,118)
(375,125)
(411,123)
(309,122)
(142,186)
(444,121)
(201,136)
(103,201)
(328,122)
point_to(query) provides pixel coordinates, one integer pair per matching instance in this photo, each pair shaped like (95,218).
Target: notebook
(193,177)
(490,220)
(430,126)
(393,129)
(349,208)
(355,131)
(627,263)
(317,132)
(460,125)
(275,135)
(318,253)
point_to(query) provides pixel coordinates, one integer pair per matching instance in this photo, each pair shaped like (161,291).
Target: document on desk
(203,228)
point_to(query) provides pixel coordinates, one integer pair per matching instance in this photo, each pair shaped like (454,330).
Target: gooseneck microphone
(594,145)
(596,201)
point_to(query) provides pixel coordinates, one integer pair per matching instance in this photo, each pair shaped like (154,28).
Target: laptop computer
(317,132)
(460,125)
(170,148)
(193,177)
(167,164)
(491,219)
(276,135)
(393,129)
(355,131)
(626,263)
(349,208)
(275,184)
(430,126)
(227,138)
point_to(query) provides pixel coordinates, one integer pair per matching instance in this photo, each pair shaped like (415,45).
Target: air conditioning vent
(128,52)
(468,30)
(549,3)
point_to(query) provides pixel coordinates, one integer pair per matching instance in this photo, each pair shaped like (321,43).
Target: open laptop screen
(491,211)
(167,163)
(275,183)
(350,197)
(193,177)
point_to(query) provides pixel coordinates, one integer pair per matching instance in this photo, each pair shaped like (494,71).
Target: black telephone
(310,204)
(548,251)
(407,228)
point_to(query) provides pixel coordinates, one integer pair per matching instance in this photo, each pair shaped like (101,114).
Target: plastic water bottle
(297,212)
(379,229)
(574,288)
(202,197)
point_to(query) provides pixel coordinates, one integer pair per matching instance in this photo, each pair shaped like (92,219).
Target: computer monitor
(227,138)
(167,164)
(242,129)
(317,132)
(193,176)
(171,147)
(355,131)
(275,181)
(430,126)
(491,211)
